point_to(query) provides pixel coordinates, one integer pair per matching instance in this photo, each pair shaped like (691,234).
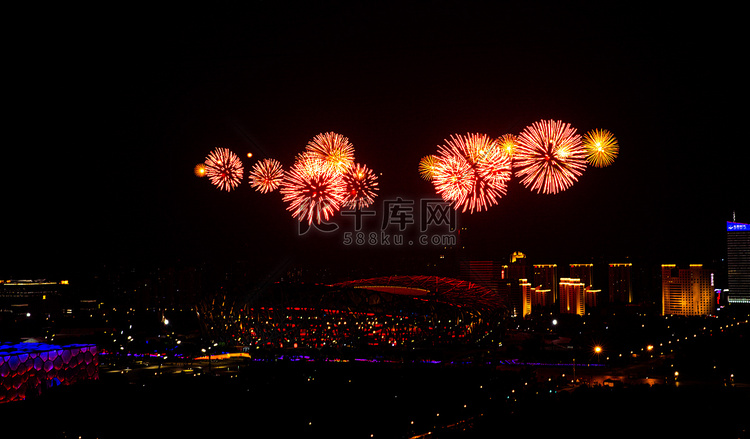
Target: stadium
(391,312)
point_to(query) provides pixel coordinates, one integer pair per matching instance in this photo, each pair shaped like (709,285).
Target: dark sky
(111,113)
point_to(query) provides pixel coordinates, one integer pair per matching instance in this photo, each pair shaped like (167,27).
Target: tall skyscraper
(572,296)
(687,291)
(738,262)
(620,283)
(545,277)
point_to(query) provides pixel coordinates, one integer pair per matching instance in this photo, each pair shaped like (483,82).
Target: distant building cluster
(526,287)
(685,291)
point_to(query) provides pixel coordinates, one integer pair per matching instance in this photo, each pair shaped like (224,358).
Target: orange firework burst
(472,172)
(360,186)
(199,170)
(314,191)
(427,166)
(224,169)
(507,144)
(549,156)
(333,149)
(601,147)
(266,175)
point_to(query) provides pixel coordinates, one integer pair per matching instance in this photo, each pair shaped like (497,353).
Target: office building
(738,263)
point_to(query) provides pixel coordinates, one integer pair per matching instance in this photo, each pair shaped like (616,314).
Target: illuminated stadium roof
(440,289)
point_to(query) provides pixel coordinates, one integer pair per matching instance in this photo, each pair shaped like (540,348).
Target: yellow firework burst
(507,143)
(199,170)
(427,166)
(601,147)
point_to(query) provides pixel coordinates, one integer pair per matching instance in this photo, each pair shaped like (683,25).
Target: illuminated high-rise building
(620,283)
(525,288)
(738,263)
(687,291)
(545,277)
(572,296)
(584,272)
(592,297)
(541,297)
(518,267)
(512,278)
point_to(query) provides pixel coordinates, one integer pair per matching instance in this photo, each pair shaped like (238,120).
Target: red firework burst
(333,149)
(549,156)
(360,186)
(313,191)
(472,172)
(224,169)
(266,175)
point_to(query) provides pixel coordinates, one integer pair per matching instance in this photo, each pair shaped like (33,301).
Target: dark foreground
(370,400)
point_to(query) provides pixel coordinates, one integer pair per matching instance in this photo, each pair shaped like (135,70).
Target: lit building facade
(525,287)
(687,291)
(545,278)
(572,296)
(541,297)
(738,263)
(584,272)
(620,283)
(592,297)
(38,298)
(513,280)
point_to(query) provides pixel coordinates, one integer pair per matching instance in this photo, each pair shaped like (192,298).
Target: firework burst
(427,166)
(266,175)
(549,156)
(601,147)
(472,172)
(224,169)
(360,186)
(199,170)
(314,192)
(334,150)
(507,144)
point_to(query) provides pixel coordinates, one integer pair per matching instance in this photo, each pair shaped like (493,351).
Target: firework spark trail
(224,169)
(601,147)
(472,172)
(549,156)
(266,175)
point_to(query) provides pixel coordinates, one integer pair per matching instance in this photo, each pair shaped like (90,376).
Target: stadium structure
(391,312)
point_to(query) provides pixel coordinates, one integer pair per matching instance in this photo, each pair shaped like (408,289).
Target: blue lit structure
(738,262)
(27,368)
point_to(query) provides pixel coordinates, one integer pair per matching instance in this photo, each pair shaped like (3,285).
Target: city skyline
(136,111)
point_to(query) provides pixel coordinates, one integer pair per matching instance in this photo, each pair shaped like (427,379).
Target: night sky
(111,113)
